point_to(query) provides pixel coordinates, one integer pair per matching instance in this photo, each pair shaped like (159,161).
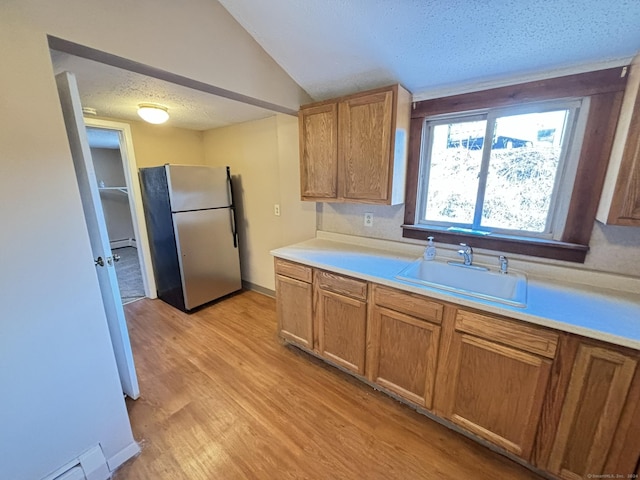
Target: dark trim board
(126,64)
(611,80)
(569,252)
(605,88)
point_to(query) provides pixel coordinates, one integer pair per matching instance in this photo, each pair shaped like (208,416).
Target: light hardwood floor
(222,398)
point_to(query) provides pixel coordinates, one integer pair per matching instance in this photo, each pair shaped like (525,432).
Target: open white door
(88,186)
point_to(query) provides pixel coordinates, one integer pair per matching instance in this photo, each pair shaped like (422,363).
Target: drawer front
(530,339)
(408,303)
(348,286)
(293,270)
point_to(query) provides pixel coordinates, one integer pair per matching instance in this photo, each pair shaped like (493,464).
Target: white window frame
(565,177)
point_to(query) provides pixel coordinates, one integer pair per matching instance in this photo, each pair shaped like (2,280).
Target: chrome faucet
(467,254)
(504,264)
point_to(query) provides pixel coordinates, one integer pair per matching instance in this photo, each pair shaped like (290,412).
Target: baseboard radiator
(124,242)
(76,473)
(91,465)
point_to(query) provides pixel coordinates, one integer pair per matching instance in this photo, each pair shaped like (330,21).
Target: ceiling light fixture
(153,113)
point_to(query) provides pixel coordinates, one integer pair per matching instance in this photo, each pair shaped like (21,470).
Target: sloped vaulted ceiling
(332,47)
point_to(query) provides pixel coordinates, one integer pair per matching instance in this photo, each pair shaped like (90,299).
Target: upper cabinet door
(354,148)
(319,152)
(627,203)
(620,199)
(365,146)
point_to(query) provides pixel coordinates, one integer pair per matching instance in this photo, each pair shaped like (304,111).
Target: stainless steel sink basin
(510,288)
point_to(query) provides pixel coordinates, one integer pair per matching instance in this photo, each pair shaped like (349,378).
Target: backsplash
(612,249)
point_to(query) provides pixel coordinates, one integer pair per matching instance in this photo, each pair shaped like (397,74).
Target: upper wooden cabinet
(319,152)
(354,149)
(620,200)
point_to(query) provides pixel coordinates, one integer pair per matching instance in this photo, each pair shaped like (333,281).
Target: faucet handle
(504,264)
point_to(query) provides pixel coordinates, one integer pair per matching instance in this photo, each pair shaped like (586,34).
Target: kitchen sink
(479,282)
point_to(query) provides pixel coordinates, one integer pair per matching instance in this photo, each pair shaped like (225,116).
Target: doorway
(116,174)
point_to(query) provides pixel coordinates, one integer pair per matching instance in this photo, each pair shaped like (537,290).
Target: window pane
(525,155)
(456,154)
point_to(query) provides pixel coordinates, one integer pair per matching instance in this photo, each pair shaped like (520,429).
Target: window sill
(570,252)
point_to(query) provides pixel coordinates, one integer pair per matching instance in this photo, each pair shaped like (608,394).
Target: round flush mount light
(153,113)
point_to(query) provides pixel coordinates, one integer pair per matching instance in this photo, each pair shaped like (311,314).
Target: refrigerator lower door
(209,262)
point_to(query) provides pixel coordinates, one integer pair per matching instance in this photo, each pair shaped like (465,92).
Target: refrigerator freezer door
(197,188)
(209,261)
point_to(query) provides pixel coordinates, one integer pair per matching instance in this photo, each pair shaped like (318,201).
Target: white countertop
(600,313)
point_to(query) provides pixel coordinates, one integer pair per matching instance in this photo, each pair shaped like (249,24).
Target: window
(514,169)
(502,170)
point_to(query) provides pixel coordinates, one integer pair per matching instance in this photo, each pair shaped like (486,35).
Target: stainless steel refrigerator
(191,224)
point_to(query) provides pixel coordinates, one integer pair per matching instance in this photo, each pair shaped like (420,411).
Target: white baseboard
(130,451)
(125,242)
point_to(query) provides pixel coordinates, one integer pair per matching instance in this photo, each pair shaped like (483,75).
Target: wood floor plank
(222,397)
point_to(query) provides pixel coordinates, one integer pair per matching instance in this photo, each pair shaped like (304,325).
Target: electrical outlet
(276,210)
(368,219)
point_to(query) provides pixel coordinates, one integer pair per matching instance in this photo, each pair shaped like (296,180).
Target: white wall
(61,393)
(612,249)
(264,161)
(197,39)
(156,145)
(60,389)
(298,220)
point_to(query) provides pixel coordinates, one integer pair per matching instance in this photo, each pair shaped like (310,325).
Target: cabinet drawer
(524,337)
(348,286)
(408,303)
(293,270)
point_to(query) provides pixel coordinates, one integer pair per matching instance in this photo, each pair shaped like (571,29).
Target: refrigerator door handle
(234,230)
(232,209)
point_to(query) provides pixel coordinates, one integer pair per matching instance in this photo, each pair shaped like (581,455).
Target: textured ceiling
(333,47)
(432,47)
(116,93)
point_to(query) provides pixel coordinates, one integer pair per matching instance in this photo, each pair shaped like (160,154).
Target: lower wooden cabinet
(494,378)
(294,302)
(341,318)
(403,337)
(624,454)
(566,404)
(591,413)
